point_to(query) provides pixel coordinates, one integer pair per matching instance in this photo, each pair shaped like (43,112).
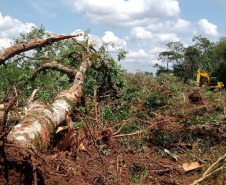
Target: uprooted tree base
(83,165)
(96,158)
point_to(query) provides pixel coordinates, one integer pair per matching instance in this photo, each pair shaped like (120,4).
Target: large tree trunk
(40,121)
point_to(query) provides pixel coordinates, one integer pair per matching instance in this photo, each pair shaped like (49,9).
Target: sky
(141,27)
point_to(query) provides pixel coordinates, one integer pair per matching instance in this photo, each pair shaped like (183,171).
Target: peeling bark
(40,121)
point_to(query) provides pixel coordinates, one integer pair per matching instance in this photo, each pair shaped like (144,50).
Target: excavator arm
(202,73)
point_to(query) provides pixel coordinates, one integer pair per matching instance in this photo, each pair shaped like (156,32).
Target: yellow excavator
(211,82)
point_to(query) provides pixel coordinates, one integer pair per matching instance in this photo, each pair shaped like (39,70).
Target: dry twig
(138,132)
(208,171)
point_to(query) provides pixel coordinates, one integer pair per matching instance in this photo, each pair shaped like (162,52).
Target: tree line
(204,54)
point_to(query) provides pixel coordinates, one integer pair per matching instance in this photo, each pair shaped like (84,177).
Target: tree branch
(123,123)
(7,108)
(104,69)
(138,132)
(208,171)
(54,66)
(71,72)
(31,99)
(32,44)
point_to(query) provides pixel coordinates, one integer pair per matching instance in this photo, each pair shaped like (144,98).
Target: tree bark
(40,121)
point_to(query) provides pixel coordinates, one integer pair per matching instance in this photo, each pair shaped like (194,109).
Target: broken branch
(54,66)
(32,44)
(7,108)
(138,132)
(208,171)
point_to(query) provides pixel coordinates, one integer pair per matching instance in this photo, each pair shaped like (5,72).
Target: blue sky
(142,27)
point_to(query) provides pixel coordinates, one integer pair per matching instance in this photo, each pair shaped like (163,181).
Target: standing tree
(178,52)
(220,50)
(167,56)
(174,55)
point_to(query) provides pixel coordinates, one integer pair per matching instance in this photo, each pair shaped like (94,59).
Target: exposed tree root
(69,136)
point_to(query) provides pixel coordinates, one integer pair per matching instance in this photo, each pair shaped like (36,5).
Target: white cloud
(126,13)
(110,37)
(206,28)
(140,54)
(142,37)
(155,51)
(142,60)
(145,57)
(5,42)
(168,37)
(172,31)
(11,28)
(178,25)
(145,43)
(140,33)
(181,25)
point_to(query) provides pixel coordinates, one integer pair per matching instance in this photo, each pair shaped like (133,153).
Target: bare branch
(104,68)
(138,132)
(208,171)
(123,123)
(16,94)
(71,72)
(32,95)
(32,44)
(54,66)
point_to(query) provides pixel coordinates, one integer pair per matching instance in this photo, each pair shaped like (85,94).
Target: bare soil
(87,166)
(101,159)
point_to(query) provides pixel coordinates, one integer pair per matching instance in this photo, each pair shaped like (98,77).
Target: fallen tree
(35,122)
(38,120)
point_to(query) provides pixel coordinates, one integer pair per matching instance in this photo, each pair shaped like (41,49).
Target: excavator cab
(213,81)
